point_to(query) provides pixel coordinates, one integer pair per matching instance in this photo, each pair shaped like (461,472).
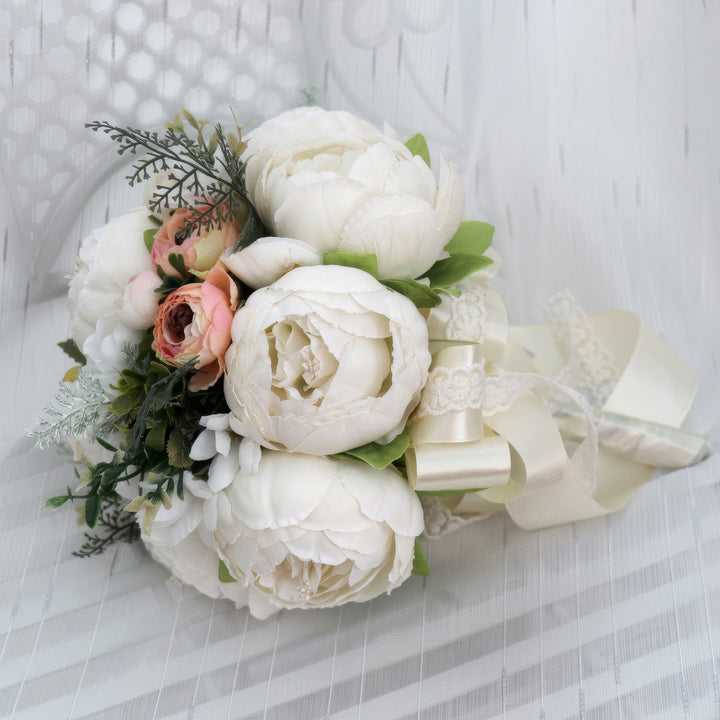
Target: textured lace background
(587,133)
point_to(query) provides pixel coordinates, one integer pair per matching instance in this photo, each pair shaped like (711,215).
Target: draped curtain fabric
(586,133)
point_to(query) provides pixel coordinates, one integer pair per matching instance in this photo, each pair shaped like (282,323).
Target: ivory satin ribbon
(485,419)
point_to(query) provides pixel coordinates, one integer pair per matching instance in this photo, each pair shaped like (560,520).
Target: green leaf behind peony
(450,270)
(377,455)
(417,145)
(224,575)
(420,563)
(178,450)
(447,493)
(472,238)
(365,262)
(421,295)
(71,349)
(252,229)
(149,238)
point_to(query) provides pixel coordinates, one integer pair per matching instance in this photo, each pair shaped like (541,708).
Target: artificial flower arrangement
(291,364)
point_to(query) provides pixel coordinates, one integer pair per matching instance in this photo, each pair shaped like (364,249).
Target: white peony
(311,532)
(340,184)
(109,257)
(324,360)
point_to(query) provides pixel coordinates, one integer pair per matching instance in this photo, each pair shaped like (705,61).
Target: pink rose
(200,249)
(194,321)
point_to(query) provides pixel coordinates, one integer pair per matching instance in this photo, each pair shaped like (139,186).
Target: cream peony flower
(311,532)
(324,360)
(339,184)
(109,257)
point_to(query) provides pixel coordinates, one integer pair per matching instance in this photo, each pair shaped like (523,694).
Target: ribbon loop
(534,445)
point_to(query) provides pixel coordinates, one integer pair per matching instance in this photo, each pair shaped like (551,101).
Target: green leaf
(453,269)
(92,510)
(178,450)
(149,238)
(127,402)
(105,444)
(448,493)
(421,295)
(377,455)
(156,437)
(252,230)
(54,503)
(366,262)
(224,575)
(71,349)
(417,145)
(155,220)
(191,119)
(472,238)
(420,563)
(177,260)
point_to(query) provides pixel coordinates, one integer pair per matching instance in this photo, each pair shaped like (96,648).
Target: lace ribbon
(553,423)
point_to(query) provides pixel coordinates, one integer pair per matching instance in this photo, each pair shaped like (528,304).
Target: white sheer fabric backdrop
(586,132)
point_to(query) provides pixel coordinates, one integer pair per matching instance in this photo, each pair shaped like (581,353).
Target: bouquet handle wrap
(535,445)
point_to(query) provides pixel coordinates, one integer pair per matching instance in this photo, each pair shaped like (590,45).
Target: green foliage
(362,261)
(447,493)
(417,145)
(422,295)
(71,349)
(420,563)
(115,525)
(449,271)
(466,250)
(54,503)
(253,229)
(149,238)
(199,164)
(78,409)
(224,575)
(308,96)
(158,418)
(377,455)
(471,238)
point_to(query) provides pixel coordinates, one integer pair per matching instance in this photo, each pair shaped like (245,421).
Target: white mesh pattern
(134,63)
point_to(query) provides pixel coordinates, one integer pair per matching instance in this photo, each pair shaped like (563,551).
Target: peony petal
(450,202)
(222,472)
(204,446)
(401,230)
(274,497)
(268,258)
(305,198)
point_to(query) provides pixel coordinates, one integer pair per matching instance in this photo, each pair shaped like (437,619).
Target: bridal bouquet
(291,364)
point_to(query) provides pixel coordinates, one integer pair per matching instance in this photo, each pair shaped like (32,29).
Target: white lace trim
(503,390)
(440,520)
(467,314)
(589,368)
(453,389)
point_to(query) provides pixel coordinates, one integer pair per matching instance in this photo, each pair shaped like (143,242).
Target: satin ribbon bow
(500,425)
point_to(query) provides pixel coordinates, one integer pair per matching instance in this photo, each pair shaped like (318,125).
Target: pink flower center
(178,318)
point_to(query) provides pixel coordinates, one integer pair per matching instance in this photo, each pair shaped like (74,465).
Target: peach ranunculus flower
(194,321)
(200,249)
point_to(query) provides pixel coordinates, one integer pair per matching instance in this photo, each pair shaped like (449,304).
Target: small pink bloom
(200,249)
(194,321)
(140,301)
